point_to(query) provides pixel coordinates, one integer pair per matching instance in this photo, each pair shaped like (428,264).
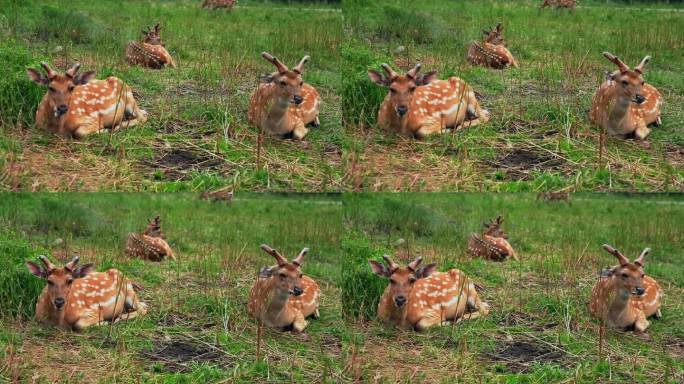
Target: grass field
(539,137)
(197,329)
(197,137)
(539,329)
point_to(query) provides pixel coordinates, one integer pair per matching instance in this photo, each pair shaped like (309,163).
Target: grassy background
(197,137)
(539,137)
(197,329)
(539,328)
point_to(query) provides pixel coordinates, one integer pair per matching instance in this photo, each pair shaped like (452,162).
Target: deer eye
(301,83)
(393,90)
(50,282)
(71,87)
(625,83)
(392,281)
(300,275)
(412,280)
(642,275)
(52,89)
(282,275)
(643,82)
(283,83)
(412,89)
(624,275)
(70,281)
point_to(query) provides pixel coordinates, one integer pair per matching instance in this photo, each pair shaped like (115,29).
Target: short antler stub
(621,258)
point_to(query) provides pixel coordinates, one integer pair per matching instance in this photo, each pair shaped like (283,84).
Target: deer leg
(430,318)
(432,127)
(316,315)
(658,314)
(299,323)
(315,123)
(641,323)
(86,129)
(300,131)
(658,122)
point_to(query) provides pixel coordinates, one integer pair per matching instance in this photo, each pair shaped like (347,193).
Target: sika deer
(282,296)
(625,297)
(625,105)
(214,4)
(76,298)
(571,4)
(419,298)
(420,105)
(492,51)
(283,104)
(151,52)
(151,244)
(75,105)
(493,243)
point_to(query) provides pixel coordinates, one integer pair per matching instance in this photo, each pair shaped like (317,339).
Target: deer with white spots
(625,297)
(492,51)
(625,105)
(151,244)
(571,4)
(419,105)
(150,52)
(419,298)
(493,243)
(282,296)
(76,298)
(283,104)
(76,105)
(214,4)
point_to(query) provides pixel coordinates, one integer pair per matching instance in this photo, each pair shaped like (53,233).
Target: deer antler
(640,260)
(413,72)
(390,263)
(640,68)
(48,70)
(300,66)
(279,258)
(71,266)
(390,72)
(623,260)
(47,262)
(415,263)
(300,258)
(71,72)
(282,68)
(615,60)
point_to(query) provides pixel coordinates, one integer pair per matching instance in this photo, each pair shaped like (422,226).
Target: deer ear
(640,68)
(426,271)
(266,272)
(83,270)
(427,78)
(300,257)
(36,270)
(37,77)
(379,268)
(378,78)
(84,78)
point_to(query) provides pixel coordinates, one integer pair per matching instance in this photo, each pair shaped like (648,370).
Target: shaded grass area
(197,329)
(539,328)
(539,109)
(198,110)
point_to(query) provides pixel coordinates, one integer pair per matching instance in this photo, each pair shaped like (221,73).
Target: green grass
(539,137)
(197,111)
(539,302)
(197,304)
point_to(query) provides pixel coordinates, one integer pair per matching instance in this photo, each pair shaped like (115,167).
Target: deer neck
(278,300)
(51,314)
(278,110)
(393,314)
(620,301)
(50,121)
(620,107)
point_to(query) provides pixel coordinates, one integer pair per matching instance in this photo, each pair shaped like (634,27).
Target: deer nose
(59,302)
(297,291)
(640,291)
(298,99)
(401,110)
(639,99)
(62,109)
(400,301)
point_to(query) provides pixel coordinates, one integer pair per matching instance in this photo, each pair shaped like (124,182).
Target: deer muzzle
(61,110)
(297,100)
(639,99)
(639,291)
(401,110)
(400,301)
(58,302)
(296,291)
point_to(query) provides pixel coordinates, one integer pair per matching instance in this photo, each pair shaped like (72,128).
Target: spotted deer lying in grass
(419,105)
(282,296)
(625,297)
(76,105)
(283,104)
(214,4)
(551,196)
(76,298)
(151,244)
(625,105)
(571,4)
(151,52)
(492,51)
(419,298)
(226,196)
(493,243)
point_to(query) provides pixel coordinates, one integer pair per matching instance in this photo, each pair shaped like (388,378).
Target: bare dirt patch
(178,164)
(518,164)
(518,355)
(180,354)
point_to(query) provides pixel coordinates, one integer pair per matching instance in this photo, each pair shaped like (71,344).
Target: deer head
(60,86)
(288,276)
(288,82)
(401,278)
(154,228)
(401,87)
(494,36)
(152,36)
(629,275)
(59,279)
(630,82)
(493,228)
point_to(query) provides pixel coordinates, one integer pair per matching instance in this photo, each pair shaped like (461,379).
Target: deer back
(101,295)
(148,55)
(444,292)
(148,247)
